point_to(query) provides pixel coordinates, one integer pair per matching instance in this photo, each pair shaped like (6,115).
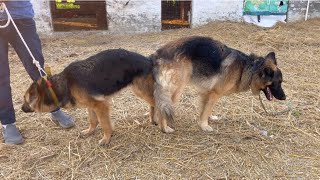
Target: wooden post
(182,13)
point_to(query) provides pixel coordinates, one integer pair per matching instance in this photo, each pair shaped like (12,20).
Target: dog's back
(205,53)
(107,72)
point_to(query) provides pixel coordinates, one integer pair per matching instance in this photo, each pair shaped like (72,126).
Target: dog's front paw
(86,133)
(206,127)
(104,141)
(167,129)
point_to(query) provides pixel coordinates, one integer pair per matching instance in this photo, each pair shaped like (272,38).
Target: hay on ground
(287,148)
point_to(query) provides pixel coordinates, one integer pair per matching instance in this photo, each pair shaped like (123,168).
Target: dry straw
(288,148)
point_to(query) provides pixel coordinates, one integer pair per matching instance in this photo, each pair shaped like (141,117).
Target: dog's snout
(26,108)
(283,97)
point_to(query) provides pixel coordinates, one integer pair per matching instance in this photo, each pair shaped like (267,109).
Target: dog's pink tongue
(270,96)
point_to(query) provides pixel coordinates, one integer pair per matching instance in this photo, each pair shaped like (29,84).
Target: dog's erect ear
(33,90)
(253,56)
(271,57)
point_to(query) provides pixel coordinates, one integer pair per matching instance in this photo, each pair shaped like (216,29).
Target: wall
(126,16)
(204,11)
(42,15)
(297,9)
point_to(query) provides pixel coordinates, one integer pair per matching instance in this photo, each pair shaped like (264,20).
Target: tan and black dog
(215,69)
(91,83)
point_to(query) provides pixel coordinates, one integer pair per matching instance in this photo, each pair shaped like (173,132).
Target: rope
(2,10)
(34,61)
(273,113)
(42,72)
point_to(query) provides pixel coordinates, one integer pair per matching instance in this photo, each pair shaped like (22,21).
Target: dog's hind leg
(143,88)
(162,122)
(93,122)
(102,110)
(177,94)
(207,102)
(153,118)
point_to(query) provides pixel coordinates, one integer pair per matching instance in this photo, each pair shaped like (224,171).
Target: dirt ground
(246,144)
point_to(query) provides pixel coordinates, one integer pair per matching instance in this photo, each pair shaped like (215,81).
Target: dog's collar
(52,93)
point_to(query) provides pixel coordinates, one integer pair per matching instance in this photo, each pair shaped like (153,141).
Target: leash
(4,9)
(273,113)
(34,61)
(42,72)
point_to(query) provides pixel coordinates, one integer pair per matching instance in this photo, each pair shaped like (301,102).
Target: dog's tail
(164,104)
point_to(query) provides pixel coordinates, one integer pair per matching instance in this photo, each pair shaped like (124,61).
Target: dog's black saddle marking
(107,72)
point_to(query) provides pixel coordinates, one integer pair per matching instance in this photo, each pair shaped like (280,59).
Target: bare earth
(246,144)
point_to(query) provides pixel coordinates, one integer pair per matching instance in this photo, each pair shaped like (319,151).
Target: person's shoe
(62,119)
(11,134)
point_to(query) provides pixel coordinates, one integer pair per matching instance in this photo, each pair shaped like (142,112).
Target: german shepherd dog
(91,83)
(215,69)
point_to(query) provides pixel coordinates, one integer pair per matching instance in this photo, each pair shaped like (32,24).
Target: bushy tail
(164,104)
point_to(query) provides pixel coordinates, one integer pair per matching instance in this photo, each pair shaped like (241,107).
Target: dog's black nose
(26,108)
(283,97)
(280,96)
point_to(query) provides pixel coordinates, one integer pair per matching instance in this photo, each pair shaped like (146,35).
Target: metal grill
(78,15)
(175,14)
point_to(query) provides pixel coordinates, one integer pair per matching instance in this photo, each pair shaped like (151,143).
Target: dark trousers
(8,35)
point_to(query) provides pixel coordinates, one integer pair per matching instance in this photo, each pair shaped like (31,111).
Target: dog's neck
(60,87)
(247,73)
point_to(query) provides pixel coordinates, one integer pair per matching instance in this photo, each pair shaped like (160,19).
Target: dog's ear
(253,56)
(33,90)
(41,84)
(271,57)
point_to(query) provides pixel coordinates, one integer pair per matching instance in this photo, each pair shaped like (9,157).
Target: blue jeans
(8,35)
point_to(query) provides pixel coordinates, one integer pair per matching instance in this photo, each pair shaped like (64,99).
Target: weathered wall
(297,9)
(204,11)
(126,16)
(42,15)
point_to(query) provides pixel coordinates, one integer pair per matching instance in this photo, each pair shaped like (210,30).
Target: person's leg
(27,27)
(28,31)
(7,116)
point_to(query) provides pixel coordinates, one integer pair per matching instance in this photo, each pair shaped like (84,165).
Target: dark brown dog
(215,69)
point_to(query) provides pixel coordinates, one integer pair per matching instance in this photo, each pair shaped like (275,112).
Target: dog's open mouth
(268,93)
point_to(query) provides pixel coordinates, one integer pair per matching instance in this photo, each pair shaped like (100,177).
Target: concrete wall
(204,11)
(297,9)
(42,15)
(126,16)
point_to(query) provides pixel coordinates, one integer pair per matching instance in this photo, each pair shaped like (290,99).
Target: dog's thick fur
(90,83)
(215,69)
